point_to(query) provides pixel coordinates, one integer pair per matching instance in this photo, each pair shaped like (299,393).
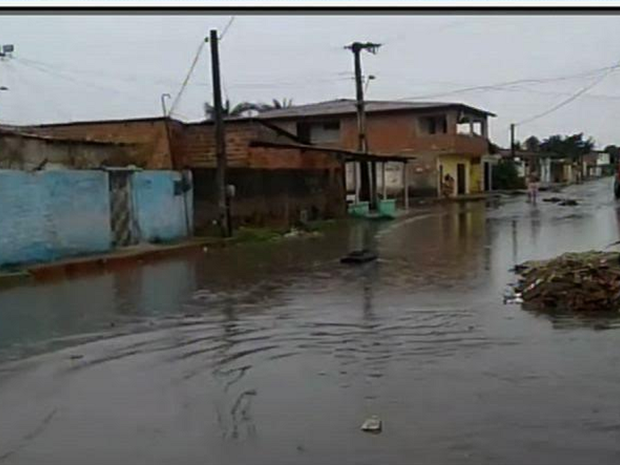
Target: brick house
(445,138)
(273,185)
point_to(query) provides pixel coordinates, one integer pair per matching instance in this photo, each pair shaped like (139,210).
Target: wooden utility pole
(512,140)
(220,138)
(368,176)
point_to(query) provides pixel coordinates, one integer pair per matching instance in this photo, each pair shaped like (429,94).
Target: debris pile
(580,282)
(567,202)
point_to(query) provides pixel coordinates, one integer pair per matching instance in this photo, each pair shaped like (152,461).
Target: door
(487,176)
(121,209)
(460,179)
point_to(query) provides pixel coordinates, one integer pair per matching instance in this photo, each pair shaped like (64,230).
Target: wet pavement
(275,353)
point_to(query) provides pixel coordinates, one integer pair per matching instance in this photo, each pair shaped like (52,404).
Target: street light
(368,79)
(163,103)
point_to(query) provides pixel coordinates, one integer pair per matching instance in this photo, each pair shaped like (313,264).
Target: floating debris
(569,203)
(372,425)
(359,256)
(580,282)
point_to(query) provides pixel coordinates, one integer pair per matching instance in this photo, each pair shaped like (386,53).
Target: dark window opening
(303,132)
(434,125)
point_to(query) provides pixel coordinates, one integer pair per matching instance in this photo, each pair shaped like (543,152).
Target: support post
(383,183)
(406,185)
(220,137)
(512,141)
(356,186)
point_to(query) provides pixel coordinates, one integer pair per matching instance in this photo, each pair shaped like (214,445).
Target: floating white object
(372,424)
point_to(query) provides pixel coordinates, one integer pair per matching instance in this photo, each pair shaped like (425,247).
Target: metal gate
(121,209)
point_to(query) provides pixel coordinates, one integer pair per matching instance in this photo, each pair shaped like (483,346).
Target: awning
(346,155)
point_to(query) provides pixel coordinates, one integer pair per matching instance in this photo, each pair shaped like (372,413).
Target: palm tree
(229,111)
(275,105)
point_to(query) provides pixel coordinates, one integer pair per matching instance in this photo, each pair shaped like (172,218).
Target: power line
(514,83)
(576,95)
(232,18)
(189,74)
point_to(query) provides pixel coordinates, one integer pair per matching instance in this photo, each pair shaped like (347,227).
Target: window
(317,132)
(303,132)
(434,124)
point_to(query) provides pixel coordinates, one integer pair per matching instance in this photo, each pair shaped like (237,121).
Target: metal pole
(406,185)
(383,184)
(356,182)
(512,140)
(220,136)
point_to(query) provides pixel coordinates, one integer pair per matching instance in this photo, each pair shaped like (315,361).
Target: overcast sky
(69,68)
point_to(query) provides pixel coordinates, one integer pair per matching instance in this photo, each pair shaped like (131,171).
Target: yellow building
(467,171)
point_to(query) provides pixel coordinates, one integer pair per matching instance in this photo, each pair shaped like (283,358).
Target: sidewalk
(114,259)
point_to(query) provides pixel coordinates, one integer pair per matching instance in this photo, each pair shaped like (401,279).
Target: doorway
(461,187)
(487,176)
(121,209)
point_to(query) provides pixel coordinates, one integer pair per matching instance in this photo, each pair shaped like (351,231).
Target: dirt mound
(580,282)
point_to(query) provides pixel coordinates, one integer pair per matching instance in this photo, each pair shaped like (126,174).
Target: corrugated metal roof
(345,106)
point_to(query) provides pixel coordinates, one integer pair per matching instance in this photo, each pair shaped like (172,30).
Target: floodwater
(276,353)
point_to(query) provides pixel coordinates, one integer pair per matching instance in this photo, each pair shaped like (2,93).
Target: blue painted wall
(48,215)
(161,215)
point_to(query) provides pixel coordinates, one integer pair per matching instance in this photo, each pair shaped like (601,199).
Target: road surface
(277,353)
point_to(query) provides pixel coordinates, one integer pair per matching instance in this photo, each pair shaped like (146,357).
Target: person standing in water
(532,188)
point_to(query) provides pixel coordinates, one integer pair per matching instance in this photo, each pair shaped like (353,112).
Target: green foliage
(567,146)
(506,176)
(532,144)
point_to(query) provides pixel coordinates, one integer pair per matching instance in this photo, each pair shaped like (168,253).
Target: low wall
(45,216)
(162,214)
(49,215)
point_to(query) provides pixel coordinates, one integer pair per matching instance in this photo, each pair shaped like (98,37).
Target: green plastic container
(359,209)
(387,208)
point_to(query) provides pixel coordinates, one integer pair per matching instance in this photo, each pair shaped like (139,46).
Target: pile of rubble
(581,282)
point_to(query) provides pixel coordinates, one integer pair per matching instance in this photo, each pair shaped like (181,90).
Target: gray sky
(94,67)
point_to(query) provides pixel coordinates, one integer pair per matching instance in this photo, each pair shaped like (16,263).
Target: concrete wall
(49,215)
(161,214)
(23,152)
(151,135)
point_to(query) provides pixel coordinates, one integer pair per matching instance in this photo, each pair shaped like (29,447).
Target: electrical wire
(187,78)
(514,83)
(38,91)
(232,19)
(565,102)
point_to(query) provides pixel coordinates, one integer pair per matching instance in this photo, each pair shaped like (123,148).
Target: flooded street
(275,353)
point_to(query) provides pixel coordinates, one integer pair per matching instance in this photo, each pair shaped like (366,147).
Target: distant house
(445,138)
(597,164)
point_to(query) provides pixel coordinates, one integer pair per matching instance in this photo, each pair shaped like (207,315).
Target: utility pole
(512,140)
(368,176)
(220,137)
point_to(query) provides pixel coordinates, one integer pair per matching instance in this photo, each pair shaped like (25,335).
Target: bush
(506,176)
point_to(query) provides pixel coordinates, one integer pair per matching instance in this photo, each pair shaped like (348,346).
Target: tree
(275,105)
(241,109)
(506,176)
(573,147)
(532,144)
